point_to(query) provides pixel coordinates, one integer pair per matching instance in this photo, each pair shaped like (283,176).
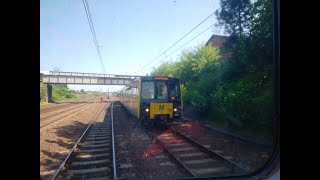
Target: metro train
(153,99)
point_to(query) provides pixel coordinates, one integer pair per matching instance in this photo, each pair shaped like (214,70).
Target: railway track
(45,121)
(238,138)
(246,153)
(92,156)
(53,107)
(42,117)
(44,110)
(138,155)
(197,159)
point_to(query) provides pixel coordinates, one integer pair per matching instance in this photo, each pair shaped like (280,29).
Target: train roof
(156,78)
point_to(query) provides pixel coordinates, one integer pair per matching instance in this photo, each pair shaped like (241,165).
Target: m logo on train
(161,107)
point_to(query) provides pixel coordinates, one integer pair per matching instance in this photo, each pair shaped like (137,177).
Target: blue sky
(131,33)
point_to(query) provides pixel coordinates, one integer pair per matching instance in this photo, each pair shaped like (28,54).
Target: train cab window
(147,90)
(162,92)
(173,90)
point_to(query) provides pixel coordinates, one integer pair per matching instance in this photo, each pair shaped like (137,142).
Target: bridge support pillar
(49,93)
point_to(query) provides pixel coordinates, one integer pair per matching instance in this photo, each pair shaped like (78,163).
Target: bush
(61,92)
(228,91)
(43,91)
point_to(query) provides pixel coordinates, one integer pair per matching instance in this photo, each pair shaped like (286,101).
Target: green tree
(195,68)
(260,49)
(61,92)
(250,29)
(238,90)
(43,91)
(166,69)
(234,15)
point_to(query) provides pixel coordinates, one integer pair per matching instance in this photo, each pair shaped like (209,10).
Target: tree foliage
(234,16)
(43,91)
(239,89)
(61,91)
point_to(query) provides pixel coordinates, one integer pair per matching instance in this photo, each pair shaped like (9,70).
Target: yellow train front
(153,99)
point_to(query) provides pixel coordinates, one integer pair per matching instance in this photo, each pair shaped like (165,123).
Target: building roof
(217,40)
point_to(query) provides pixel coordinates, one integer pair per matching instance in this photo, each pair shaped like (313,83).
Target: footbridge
(54,77)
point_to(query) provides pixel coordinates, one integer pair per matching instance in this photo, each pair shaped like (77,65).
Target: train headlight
(175,109)
(147,110)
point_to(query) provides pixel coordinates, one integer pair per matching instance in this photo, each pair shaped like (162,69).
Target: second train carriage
(153,99)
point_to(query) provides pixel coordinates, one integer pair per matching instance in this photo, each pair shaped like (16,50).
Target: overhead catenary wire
(216,31)
(177,41)
(88,14)
(185,44)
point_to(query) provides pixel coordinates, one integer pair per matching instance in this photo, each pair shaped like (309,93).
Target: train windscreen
(160,90)
(173,89)
(147,91)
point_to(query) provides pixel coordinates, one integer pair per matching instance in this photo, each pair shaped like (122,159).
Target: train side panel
(129,98)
